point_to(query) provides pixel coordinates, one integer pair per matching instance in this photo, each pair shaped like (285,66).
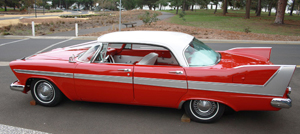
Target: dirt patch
(45,26)
(9,22)
(51,19)
(205,33)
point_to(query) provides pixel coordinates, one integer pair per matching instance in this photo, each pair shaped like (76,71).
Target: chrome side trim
(261,66)
(181,104)
(16,87)
(161,82)
(247,47)
(281,102)
(275,87)
(108,78)
(46,73)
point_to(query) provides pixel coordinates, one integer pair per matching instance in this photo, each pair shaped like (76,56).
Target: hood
(62,53)
(57,54)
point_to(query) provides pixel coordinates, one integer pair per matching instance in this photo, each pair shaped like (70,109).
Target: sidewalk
(164,15)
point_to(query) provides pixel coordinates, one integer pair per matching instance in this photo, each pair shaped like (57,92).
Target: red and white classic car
(155,68)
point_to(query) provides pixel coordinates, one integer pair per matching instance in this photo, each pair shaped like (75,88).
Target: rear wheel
(204,111)
(45,93)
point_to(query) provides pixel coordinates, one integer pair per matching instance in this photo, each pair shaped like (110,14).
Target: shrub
(181,15)
(247,30)
(148,19)
(23,8)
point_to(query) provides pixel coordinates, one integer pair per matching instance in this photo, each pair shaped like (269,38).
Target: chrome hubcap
(204,108)
(45,91)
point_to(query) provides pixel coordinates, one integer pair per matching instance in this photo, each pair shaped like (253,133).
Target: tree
(129,4)
(216,2)
(224,7)
(258,8)
(280,12)
(10,3)
(292,8)
(176,4)
(162,3)
(248,6)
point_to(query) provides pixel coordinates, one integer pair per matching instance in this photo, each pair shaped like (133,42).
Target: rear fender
(260,53)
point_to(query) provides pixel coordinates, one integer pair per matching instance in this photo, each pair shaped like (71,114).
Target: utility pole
(120,16)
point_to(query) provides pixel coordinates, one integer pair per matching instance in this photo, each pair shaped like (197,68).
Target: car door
(156,85)
(104,82)
(100,81)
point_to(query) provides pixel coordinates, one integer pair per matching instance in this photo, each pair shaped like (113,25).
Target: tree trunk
(227,6)
(224,7)
(291,14)
(183,5)
(248,6)
(258,8)
(192,7)
(276,10)
(150,7)
(280,12)
(5,5)
(216,8)
(270,8)
(160,7)
(298,10)
(211,6)
(177,10)
(266,8)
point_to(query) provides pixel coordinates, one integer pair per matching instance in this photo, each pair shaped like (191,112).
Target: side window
(115,45)
(128,46)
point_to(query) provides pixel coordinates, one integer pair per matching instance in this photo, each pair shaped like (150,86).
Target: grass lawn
(8,9)
(234,21)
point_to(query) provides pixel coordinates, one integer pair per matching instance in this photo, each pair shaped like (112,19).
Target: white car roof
(175,41)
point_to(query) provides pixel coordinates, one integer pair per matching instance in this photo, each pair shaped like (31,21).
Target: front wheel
(204,111)
(45,93)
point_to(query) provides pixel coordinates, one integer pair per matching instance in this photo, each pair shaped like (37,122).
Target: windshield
(198,54)
(87,56)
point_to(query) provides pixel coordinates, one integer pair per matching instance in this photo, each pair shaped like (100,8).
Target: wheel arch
(183,101)
(31,79)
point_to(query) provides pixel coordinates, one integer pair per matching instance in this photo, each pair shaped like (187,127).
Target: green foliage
(5,33)
(129,4)
(247,30)
(47,6)
(23,8)
(54,11)
(181,15)
(147,18)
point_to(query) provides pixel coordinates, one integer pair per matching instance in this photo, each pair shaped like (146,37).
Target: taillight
(288,90)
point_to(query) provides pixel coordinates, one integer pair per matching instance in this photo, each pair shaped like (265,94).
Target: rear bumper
(16,86)
(281,102)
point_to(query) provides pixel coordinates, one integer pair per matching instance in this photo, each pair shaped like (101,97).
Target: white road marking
(53,45)
(4,63)
(5,129)
(13,42)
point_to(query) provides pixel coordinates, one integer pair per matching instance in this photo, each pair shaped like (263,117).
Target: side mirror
(72,59)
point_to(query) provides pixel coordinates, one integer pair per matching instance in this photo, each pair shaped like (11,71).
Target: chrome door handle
(125,70)
(176,72)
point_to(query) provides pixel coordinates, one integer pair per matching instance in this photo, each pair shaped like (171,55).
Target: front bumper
(281,102)
(16,86)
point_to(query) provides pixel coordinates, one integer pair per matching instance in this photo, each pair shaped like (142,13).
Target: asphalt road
(87,117)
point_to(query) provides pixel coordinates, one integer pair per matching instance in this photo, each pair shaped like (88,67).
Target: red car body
(243,78)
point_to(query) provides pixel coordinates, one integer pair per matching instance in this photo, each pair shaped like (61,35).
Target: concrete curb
(204,40)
